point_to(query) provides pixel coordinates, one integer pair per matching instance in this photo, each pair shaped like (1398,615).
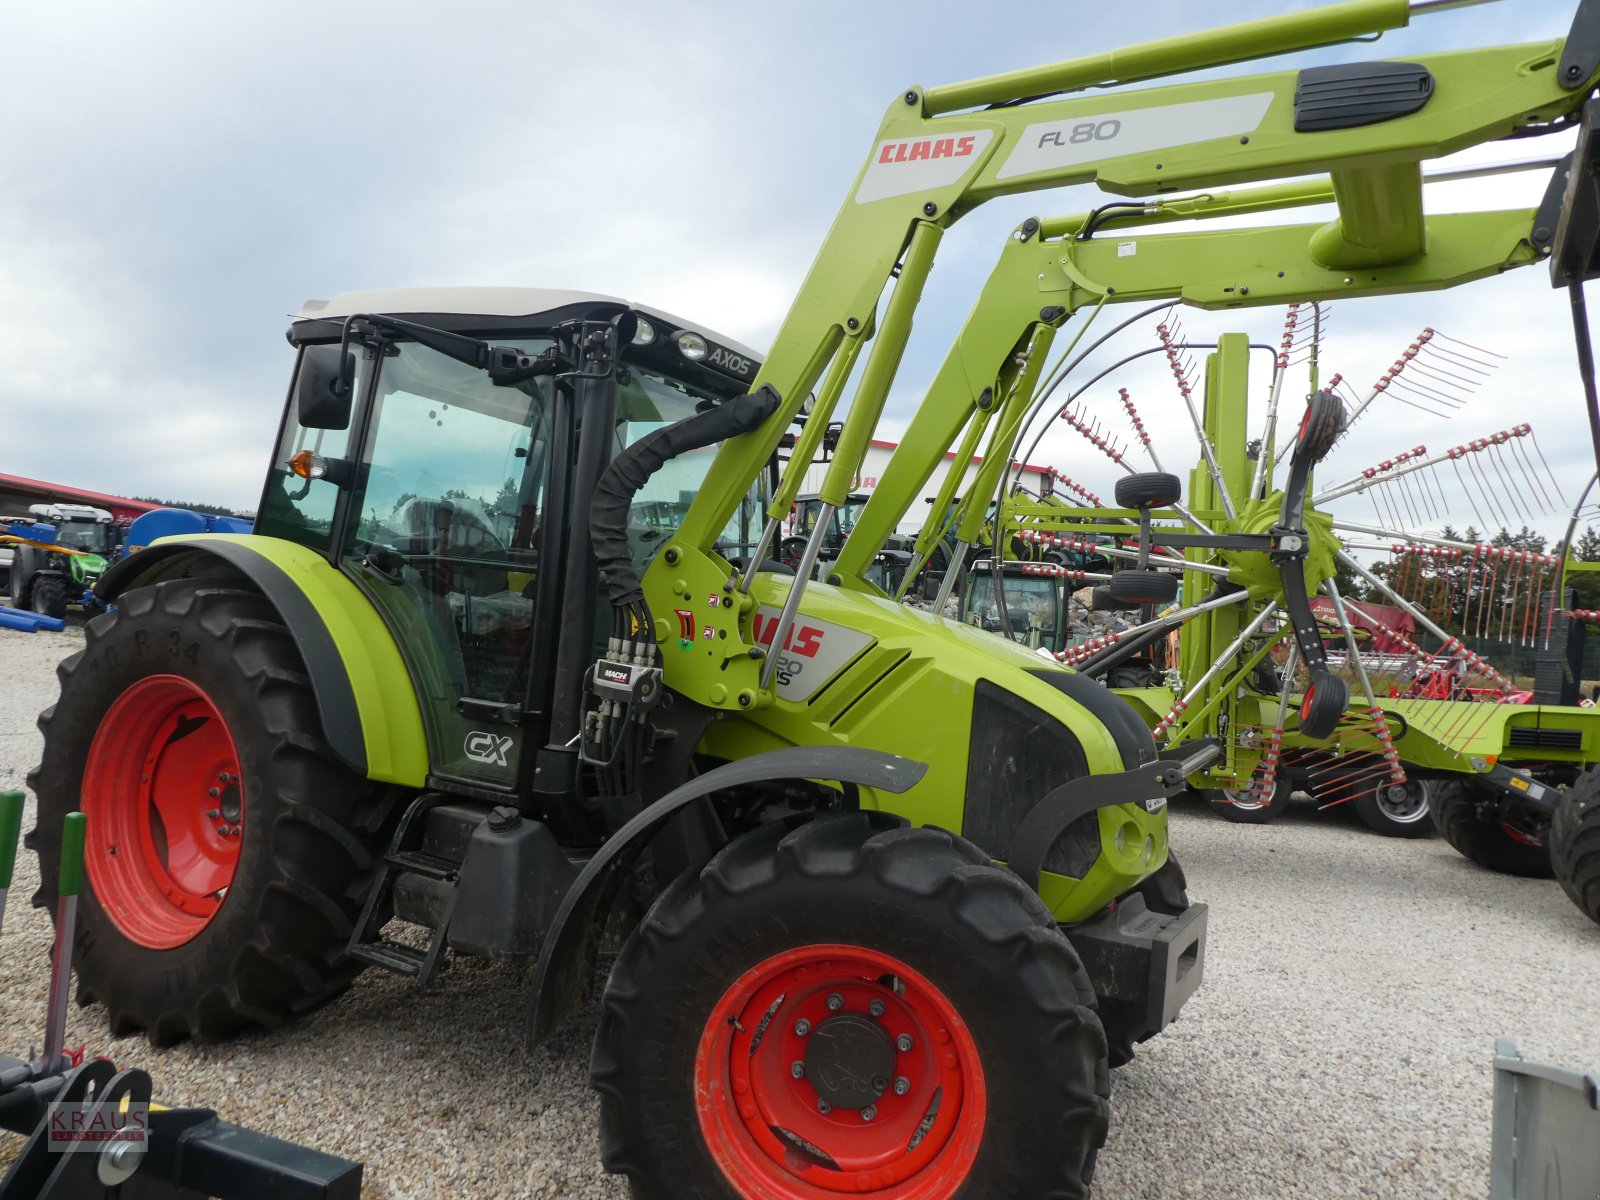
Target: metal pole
(10,829)
(68,882)
(958,560)
(802,575)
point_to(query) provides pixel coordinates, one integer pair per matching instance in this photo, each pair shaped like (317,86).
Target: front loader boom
(941,151)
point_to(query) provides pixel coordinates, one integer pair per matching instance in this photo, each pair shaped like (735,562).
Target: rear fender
(364,694)
(561,983)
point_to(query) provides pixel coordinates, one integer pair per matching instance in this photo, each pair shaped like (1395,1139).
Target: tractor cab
(888,565)
(452,496)
(1026,602)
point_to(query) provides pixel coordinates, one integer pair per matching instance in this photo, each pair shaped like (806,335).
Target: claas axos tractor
(510,656)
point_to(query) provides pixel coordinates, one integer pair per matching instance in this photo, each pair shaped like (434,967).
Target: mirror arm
(505,365)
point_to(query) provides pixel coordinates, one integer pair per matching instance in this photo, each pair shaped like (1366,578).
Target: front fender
(561,981)
(364,694)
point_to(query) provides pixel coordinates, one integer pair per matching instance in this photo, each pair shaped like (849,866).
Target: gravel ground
(1341,1044)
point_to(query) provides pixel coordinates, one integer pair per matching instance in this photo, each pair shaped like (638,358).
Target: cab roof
(500,303)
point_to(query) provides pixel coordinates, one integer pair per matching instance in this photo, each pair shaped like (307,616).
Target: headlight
(644,333)
(692,346)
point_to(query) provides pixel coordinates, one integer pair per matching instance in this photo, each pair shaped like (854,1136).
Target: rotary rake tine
(1431,377)
(1116,455)
(1375,713)
(1484,454)
(1267,782)
(1346,776)
(1138,427)
(1260,480)
(1207,451)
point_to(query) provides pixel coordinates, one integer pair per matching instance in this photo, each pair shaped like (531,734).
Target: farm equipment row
(395,697)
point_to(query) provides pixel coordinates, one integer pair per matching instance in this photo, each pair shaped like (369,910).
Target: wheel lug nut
(213,813)
(904,1042)
(824,1107)
(802,1027)
(213,792)
(835,1002)
(869,1112)
(876,1008)
(902,1085)
(797,1069)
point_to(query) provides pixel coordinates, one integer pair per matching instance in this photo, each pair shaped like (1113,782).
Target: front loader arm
(932,162)
(1210,269)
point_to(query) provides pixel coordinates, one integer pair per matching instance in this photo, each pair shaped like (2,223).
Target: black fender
(561,982)
(330,681)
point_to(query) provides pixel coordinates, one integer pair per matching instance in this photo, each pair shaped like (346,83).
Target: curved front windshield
(1033,606)
(93,536)
(648,399)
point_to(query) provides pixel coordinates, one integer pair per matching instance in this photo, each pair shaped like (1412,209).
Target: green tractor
(508,658)
(51,577)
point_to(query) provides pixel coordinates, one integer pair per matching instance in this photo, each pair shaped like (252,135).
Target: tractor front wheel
(49,596)
(1456,807)
(226,849)
(1575,843)
(850,1007)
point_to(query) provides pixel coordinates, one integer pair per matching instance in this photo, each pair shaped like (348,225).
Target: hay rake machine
(1442,720)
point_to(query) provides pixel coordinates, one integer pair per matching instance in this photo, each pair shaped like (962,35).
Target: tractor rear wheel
(226,849)
(1396,809)
(49,596)
(850,1007)
(1487,841)
(1575,843)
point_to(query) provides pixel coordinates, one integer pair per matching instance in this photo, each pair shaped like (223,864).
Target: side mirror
(322,393)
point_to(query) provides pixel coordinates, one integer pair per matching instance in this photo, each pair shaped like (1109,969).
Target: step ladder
(366,941)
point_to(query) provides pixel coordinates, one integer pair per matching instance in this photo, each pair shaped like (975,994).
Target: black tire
(1396,810)
(932,901)
(1575,843)
(311,829)
(1135,587)
(1321,426)
(1243,807)
(1148,489)
(1101,600)
(1454,804)
(1326,698)
(49,596)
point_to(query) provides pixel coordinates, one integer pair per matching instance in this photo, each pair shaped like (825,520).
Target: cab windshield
(93,536)
(1033,605)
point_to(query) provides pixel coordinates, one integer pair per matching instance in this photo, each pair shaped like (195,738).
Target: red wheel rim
(161,763)
(913,1119)
(1305,703)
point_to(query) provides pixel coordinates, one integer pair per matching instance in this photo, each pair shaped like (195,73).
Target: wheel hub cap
(850,1061)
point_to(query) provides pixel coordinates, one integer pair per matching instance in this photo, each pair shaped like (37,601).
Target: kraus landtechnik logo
(89,1126)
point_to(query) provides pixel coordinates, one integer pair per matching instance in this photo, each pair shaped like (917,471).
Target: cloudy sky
(175,178)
